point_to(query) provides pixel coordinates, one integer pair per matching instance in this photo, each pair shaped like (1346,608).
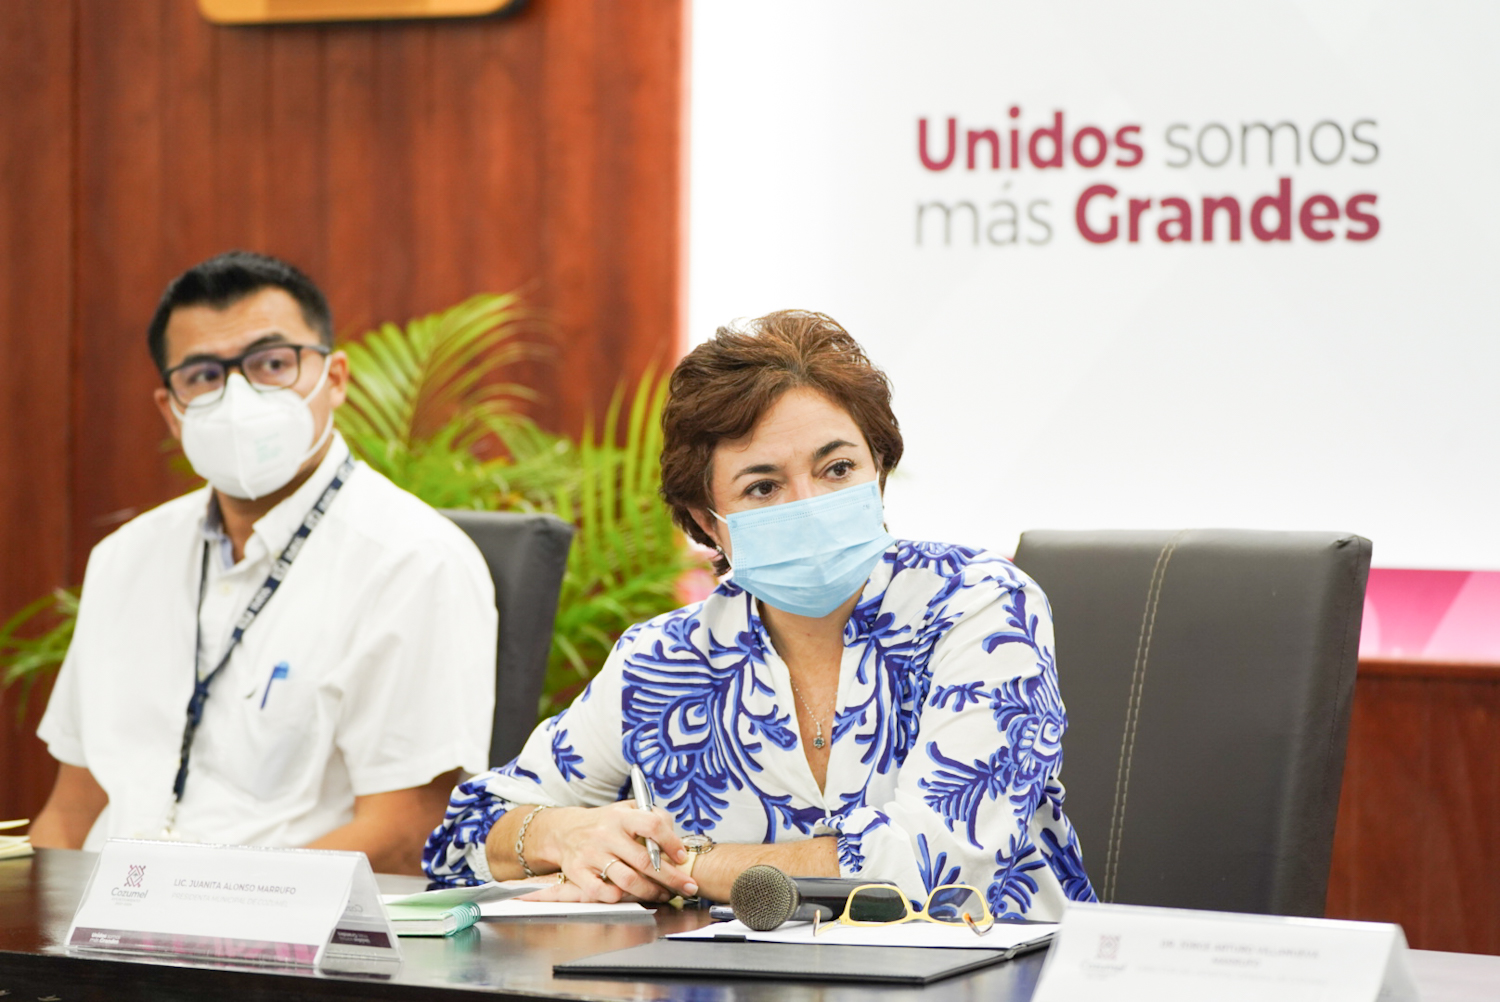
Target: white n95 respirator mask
(249,443)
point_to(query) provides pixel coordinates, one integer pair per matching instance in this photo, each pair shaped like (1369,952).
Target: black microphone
(763,897)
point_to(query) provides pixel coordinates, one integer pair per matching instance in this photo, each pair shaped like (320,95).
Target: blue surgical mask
(807,557)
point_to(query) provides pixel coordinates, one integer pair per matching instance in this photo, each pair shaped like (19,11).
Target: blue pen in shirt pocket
(282,670)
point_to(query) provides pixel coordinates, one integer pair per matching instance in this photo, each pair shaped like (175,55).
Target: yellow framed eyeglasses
(883,904)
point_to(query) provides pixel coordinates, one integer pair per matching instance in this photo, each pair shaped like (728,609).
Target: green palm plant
(428,407)
(424,401)
(627,556)
(26,660)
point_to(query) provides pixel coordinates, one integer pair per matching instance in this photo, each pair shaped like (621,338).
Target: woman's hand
(716,871)
(585,842)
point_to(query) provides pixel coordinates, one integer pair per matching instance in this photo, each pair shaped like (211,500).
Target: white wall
(1061,383)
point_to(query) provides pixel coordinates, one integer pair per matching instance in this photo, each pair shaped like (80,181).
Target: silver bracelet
(521,839)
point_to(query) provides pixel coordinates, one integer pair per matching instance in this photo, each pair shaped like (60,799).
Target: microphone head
(763,897)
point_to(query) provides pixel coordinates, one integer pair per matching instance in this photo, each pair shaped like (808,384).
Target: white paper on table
(14,846)
(1002,936)
(554,909)
(446,897)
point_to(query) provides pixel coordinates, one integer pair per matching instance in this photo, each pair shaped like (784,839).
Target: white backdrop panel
(1045,380)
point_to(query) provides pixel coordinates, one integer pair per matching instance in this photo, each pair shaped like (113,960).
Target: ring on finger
(562,878)
(604,873)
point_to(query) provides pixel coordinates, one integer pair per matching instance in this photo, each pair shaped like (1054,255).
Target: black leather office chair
(1208,676)
(526,554)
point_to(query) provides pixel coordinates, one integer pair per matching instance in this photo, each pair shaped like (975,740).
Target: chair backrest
(526,554)
(1208,676)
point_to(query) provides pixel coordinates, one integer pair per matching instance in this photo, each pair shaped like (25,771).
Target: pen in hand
(643,802)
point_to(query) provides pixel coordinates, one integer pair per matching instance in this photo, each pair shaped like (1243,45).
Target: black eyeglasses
(269,367)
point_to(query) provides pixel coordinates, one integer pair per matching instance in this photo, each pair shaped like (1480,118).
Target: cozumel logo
(133,877)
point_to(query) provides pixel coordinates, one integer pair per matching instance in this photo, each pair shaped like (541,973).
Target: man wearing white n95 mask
(299,654)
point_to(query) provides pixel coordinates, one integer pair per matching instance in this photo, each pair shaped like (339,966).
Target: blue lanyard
(273,581)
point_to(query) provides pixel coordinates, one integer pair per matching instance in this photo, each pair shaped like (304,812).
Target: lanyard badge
(263,596)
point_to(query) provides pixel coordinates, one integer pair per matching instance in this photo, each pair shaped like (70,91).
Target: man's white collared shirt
(371,669)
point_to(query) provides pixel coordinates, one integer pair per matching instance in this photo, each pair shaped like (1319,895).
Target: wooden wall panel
(405,165)
(353,277)
(1418,836)
(36,312)
(187,149)
(1463,896)
(125,73)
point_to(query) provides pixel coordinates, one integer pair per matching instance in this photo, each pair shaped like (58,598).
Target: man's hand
(392,827)
(75,804)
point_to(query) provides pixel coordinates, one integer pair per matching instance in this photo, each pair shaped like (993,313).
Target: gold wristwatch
(696,845)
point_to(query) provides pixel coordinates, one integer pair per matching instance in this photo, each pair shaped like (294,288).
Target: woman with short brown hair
(722,388)
(843,703)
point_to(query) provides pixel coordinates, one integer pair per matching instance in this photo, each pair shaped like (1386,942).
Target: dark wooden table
(512,958)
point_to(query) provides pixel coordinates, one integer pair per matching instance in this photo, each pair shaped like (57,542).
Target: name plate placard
(247,904)
(1126,953)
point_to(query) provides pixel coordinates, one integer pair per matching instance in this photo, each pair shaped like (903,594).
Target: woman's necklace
(818,741)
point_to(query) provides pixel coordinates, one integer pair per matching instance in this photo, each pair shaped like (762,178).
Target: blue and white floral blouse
(945,749)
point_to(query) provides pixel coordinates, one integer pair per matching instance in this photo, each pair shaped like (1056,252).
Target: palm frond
(30,658)
(407,383)
(627,557)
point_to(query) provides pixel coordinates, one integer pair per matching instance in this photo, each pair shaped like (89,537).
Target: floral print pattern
(945,751)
